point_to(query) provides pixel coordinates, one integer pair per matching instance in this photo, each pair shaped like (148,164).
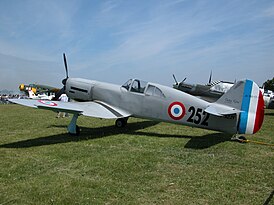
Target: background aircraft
(268,99)
(210,92)
(238,111)
(38,91)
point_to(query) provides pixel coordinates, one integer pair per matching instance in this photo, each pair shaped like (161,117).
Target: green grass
(145,163)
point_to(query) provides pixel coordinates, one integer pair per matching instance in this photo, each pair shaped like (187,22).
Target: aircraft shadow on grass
(195,142)
(269,114)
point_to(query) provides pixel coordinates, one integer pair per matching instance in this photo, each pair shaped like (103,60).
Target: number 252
(196,116)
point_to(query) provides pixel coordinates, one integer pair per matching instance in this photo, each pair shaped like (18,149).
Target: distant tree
(269,84)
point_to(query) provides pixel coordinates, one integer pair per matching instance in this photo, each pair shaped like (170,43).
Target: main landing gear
(121,122)
(74,129)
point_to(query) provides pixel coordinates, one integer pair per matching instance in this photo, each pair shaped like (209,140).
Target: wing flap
(68,109)
(101,110)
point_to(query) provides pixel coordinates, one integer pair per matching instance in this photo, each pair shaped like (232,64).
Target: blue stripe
(245,106)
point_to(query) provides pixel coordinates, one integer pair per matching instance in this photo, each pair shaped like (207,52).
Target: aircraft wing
(92,109)
(221,110)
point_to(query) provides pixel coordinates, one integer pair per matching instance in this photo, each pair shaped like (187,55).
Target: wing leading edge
(95,109)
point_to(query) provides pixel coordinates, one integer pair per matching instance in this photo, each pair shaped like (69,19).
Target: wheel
(121,122)
(242,139)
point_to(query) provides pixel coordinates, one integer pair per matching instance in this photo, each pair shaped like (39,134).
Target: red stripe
(259,113)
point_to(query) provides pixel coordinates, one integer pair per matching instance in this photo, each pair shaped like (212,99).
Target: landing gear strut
(121,122)
(73,129)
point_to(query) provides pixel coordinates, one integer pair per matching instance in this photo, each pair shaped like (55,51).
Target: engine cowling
(79,89)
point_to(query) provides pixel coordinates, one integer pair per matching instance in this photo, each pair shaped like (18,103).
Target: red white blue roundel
(49,103)
(176,110)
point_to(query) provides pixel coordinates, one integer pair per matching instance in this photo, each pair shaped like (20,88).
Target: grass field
(145,163)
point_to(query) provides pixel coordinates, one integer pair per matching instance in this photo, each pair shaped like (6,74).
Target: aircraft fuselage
(156,102)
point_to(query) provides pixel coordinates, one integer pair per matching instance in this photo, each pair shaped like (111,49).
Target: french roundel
(176,110)
(49,103)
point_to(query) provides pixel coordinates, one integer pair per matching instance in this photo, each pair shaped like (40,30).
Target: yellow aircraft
(37,91)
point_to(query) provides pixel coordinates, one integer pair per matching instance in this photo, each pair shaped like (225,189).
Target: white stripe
(252,109)
(180,110)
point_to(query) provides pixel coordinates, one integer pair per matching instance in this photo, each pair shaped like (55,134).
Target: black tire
(242,139)
(121,122)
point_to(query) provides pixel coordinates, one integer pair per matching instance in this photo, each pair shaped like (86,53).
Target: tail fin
(244,98)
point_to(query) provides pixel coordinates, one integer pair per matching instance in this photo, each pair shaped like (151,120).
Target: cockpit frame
(143,87)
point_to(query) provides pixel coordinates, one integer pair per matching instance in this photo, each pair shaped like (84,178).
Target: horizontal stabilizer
(221,110)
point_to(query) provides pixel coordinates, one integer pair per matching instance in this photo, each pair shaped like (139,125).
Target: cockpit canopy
(135,85)
(143,87)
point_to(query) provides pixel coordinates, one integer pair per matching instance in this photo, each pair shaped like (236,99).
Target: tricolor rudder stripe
(252,115)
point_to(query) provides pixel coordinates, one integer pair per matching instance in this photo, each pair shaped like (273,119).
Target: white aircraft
(42,96)
(239,111)
(36,91)
(268,98)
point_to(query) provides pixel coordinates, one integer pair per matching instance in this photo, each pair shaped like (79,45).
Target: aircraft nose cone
(21,87)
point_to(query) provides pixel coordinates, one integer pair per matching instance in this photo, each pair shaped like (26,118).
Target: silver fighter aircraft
(238,111)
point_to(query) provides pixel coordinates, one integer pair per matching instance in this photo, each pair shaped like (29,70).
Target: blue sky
(116,40)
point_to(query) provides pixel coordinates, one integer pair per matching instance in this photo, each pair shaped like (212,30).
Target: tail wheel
(242,139)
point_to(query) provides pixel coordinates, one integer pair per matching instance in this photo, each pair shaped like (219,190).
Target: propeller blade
(209,80)
(66,66)
(64,81)
(175,79)
(184,80)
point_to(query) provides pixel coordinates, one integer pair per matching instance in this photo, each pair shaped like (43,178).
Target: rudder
(246,97)
(252,115)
